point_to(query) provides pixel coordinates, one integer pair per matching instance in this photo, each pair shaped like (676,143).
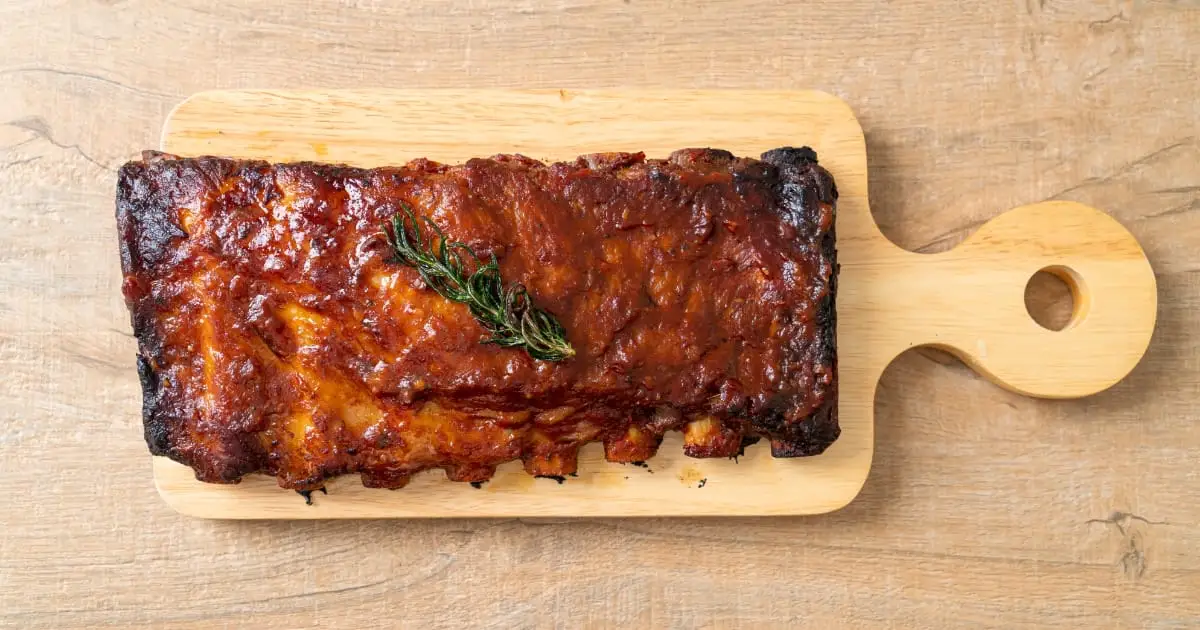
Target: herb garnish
(507,314)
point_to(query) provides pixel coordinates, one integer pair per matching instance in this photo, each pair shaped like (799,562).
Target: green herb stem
(507,314)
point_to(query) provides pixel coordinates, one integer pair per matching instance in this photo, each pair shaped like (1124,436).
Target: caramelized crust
(275,336)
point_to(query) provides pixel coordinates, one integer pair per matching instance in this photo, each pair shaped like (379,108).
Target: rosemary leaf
(507,314)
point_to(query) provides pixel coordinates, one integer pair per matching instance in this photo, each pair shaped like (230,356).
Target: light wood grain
(969,300)
(984,508)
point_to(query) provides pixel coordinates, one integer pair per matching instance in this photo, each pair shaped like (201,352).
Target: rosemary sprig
(508,315)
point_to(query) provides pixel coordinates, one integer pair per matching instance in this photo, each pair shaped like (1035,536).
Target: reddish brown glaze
(275,336)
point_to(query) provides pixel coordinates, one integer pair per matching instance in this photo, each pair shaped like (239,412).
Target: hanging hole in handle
(1055,297)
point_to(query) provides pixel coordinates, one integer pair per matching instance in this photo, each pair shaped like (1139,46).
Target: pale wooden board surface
(983,508)
(969,300)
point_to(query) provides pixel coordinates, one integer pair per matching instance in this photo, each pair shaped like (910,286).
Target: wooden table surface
(983,508)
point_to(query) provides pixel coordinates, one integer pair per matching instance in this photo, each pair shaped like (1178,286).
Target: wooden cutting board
(969,300)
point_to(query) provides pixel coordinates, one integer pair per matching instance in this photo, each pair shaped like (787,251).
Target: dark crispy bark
(275,336)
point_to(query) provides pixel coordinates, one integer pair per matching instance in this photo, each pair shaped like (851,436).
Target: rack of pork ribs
(277,335)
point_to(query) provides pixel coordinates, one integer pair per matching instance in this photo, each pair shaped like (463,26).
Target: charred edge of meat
(158,436)
(810,436)
(146,230)
(145,233)
(803,186)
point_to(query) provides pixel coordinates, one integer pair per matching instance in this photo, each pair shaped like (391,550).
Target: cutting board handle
(971,300)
